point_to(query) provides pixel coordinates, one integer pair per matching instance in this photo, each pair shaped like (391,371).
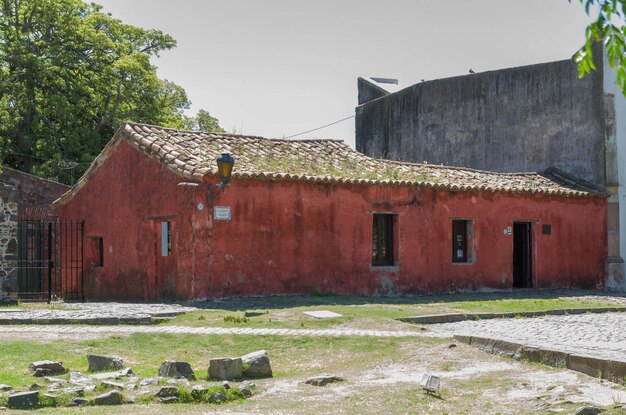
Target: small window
(546,229)
(461,233)
(382,239)
(97,249)
(166,238)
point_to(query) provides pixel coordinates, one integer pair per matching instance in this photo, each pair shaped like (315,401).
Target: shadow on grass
(320,299)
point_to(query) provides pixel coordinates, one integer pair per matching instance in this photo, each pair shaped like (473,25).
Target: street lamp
(225,164)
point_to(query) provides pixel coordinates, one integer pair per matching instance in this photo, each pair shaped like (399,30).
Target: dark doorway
(522,255)
(49,260)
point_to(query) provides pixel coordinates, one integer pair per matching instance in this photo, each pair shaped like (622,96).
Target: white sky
(279,67)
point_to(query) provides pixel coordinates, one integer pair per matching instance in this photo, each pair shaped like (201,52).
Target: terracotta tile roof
(193,154)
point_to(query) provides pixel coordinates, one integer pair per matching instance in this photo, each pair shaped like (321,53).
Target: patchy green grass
(361,312)
(381,374)
(145,352)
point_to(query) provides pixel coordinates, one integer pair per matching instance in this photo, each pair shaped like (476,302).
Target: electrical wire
(322,127)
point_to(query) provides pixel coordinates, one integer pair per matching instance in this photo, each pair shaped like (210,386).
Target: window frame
(383,223)
(468,241)
(166,238)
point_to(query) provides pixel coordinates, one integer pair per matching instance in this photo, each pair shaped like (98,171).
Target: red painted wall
(124,203)
(296,237)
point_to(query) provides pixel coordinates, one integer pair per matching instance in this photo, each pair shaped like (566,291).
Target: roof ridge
(225,134)
(192,155)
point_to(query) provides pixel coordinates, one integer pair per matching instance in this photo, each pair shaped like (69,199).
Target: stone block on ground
(323,380)
(166,391)
(217,397)
(110,398)
(257,365)
(51,380)
(78,378)
(148,381)
(77,402)
(173,369)
(101,363)
(247,388)
(113,375)
(226,368)
(112,385)
(23,400)
(78,390)
(168,399)
(46,368)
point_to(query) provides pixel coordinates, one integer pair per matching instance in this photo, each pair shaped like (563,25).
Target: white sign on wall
(221,213)
(508,230)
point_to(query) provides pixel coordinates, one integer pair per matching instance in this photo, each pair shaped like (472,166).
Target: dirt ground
(473,382)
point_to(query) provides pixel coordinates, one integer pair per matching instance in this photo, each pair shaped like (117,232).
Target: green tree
(203,121)
(69,75)
(609,28)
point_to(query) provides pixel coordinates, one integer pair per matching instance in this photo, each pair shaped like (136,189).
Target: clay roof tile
(192,155)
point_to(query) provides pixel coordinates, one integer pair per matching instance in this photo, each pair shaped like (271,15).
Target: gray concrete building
(518,119)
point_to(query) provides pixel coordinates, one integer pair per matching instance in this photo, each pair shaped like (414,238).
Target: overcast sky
(279,67)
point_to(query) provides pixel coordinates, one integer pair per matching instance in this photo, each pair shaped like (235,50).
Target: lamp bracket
(218,187)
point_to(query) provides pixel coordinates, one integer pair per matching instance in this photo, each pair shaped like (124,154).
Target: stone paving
(94,313)
(598,335)
(81,329)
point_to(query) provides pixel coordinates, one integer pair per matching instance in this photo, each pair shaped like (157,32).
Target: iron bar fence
(50,259)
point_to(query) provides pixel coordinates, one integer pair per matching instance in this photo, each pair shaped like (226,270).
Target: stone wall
(35,194)
(8,243)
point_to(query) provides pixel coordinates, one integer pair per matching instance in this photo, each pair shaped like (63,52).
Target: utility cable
(319,128)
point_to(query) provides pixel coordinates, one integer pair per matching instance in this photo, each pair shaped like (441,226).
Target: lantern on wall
(225,164)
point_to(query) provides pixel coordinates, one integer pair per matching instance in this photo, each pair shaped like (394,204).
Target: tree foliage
(609,28)
(203,121)
(69,75)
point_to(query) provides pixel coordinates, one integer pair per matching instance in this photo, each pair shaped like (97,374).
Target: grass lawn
(381,375)
(361,312)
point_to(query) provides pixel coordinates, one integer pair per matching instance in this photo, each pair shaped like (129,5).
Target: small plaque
(221,213)
(508,230)
(200,206)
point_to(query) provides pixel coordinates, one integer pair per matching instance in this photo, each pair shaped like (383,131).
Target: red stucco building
(317,216)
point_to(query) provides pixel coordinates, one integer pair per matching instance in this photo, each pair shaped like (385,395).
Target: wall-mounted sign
(200,207)
(221,213)
(508,230)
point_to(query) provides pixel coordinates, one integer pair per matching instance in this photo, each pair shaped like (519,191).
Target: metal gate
(50,260)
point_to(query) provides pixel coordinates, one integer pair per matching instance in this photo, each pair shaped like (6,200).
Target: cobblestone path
(78,329)
(94,311)
(598,335)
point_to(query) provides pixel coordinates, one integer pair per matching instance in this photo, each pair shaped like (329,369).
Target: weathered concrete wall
(35,194)
(368,91)
(518,119)
(8,243)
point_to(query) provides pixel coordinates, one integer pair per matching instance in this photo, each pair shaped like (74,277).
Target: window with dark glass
(460,240)
(382,239)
